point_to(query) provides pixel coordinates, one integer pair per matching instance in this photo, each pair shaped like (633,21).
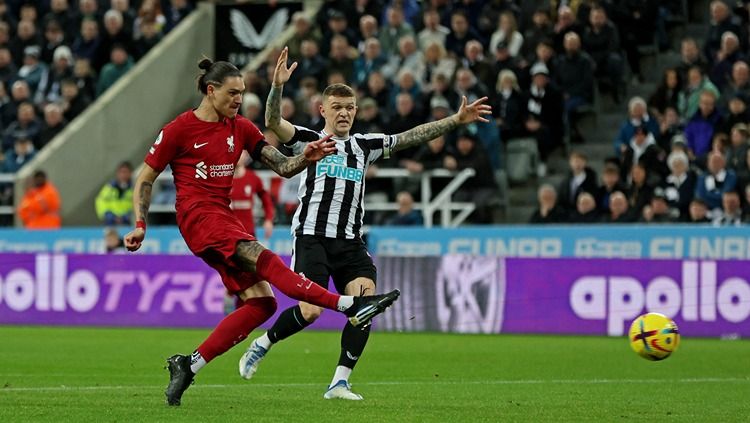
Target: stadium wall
(125,120)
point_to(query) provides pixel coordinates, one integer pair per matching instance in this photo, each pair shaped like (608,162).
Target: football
(654,336)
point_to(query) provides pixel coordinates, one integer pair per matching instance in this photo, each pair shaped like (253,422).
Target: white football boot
(342,390)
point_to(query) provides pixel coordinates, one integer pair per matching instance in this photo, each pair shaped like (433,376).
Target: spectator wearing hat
(507,30)
(679,187)
(548,210)
(575,76)
(699,131)
(601,41)
(433,32)
(481,188)
(642,148)
(33,71)
(580,178)
(543,115)
(508,105)
(698,212)
(611,183)
(637,116)
(618,210)
(61,69)
(716,181)
(394,28)
(119,64)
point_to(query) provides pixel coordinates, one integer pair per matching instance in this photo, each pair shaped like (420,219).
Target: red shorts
(212,233)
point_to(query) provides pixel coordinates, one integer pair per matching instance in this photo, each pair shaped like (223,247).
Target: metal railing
(428,204)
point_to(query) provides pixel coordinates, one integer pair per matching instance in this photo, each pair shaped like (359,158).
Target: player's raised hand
(282,73)
(134,239)
(316,150)
(473,112)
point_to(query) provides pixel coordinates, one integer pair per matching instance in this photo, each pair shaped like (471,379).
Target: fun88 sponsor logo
(335,167)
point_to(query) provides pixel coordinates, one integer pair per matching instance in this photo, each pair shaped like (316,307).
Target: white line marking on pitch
(386,383)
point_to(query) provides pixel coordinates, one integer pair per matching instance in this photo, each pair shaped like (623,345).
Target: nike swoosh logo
(196,145)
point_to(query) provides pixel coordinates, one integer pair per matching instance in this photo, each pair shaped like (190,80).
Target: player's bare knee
(310,312)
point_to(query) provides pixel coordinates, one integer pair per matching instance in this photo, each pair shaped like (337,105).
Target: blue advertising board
(597,241)
(600,241)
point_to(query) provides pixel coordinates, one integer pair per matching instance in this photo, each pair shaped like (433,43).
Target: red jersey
(202,156)
(244,189)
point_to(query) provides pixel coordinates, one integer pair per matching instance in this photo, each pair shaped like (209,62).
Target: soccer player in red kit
(202,147)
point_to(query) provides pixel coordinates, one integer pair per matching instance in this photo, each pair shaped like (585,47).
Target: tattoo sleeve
(281,164)
(273,107)
(247,253)
(424,133)
(143,200)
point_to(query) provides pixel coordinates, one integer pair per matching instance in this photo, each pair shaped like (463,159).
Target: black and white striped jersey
(331,191)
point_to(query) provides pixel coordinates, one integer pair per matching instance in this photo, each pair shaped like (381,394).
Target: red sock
(270,267)
(236,326)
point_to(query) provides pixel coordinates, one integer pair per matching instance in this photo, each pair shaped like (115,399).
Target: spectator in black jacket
(581,178)
(585,209)
(548,210)
(636,20)
(601,41)
(618,210)
(481,188)
(611,183)
(543,115)
(640,191)
(667,94)
(643,149)
(54,122)
(575,76)
(690,55)
(722,20)
(508,105)
(73,102)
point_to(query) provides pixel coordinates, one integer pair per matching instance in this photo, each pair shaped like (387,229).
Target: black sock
(353,341)
(290,321)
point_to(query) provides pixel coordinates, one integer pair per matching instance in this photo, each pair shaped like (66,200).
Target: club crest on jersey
(230,142)
(335,167)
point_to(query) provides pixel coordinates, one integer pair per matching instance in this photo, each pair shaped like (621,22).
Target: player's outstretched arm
(141,202)
(290,166)
(280,126)
(466,114)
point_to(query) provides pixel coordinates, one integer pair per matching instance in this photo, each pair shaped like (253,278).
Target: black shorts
(321,258)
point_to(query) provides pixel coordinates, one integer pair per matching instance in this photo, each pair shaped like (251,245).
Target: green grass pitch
(116,375)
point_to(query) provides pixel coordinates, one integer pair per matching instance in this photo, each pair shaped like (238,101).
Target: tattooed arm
(280,126)
(141,203)
(466,114)
(290,166)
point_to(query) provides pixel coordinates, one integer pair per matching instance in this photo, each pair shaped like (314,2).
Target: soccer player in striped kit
(327,225)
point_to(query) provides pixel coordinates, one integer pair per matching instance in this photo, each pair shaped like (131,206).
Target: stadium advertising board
(117,290)
(583,241)
(454,293)
(474,294)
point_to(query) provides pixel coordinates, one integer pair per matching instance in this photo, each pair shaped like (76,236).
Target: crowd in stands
(682,155)
(58,56)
